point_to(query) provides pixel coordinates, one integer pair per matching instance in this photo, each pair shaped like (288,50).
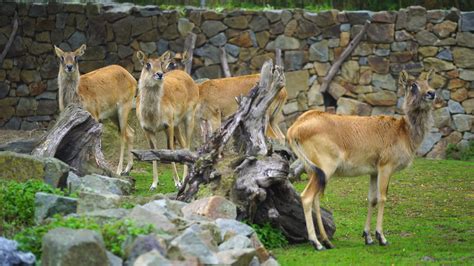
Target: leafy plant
(114,233)
(18,202)
(453,152)
(270,236)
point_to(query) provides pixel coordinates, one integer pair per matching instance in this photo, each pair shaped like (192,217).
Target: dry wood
(337,64)
(278,58)
(224,64)
(189,44)
(166,156)
(75,140)
(10,39)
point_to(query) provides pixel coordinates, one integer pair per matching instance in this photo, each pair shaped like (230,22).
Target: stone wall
(414,39)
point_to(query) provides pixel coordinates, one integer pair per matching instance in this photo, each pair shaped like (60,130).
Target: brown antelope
(166,101)
(107,92)
(339,145)
(217,97)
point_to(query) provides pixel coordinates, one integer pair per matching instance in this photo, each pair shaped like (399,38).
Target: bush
(18,203)
(270,237)
(453,152)
(114,233)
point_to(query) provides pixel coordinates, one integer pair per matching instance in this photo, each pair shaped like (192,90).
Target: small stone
(152,258)
(426,38)
(441,117)
(438,64)
(211,207)
(236,242)
(294,60)
(379,64)
(402,35)
(428,51)
(455,107)
(211,27)
(296,81)
(262,38)
(445,28)
(381,33)
(459,95)
(184,26)
(259,23)
(463,122)
(428,143)
(189,244)
(236,256)
(445,54)
(287,43)
(467,74)
(384,81)
(365,76)
(463,57)
(322,68)
(219,39)
(244,39)
(238,22)
(47,205)
(467,21)
(465,39)
(144,216)
(89,202)
(230,226)
(468,106)
(416,18)
(350,71)
(319,51)
(381,98)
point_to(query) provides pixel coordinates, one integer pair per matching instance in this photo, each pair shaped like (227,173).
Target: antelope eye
(75,58)
(62,58)
(148,66)
(414,86)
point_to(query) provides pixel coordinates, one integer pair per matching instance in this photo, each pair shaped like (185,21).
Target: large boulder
(142,245)
(144,216)
(89,202)
(211,207)
(236,257)
(23,167)
(47,205)
(103,184)
(64,246)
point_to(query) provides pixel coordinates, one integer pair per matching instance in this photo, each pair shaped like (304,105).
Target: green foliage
(453,152)
(270,237)
(18,203)
(114,233)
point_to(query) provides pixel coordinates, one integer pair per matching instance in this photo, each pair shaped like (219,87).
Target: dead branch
(224,64)
(10,39)
(189,44)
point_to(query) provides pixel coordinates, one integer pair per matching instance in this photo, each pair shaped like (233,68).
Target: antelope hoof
(178,185)
(125,173)
(381,239)
(317,246)
(368,239)
(153,187)
(327,244)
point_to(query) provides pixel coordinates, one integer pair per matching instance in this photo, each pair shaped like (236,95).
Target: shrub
(453,152)
(270,237)
(18,203)
(114,233)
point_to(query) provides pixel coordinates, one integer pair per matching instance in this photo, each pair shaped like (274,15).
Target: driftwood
(75,140)
(258,173)
(278,58)
(224,63)
(10,39)
(337,64)
(189,44)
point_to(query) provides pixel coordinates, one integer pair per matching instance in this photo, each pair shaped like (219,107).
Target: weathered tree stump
(75,140)
(256,178)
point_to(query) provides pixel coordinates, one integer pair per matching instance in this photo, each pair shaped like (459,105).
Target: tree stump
(75,140)
(256,177)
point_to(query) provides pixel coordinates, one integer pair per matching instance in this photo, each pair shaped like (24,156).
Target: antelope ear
(81,50)
(185,55)
(58,51)
(141,57)
(166,59)
(403,80)
(429,75)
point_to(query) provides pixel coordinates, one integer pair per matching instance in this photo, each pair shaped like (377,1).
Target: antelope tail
(310,166)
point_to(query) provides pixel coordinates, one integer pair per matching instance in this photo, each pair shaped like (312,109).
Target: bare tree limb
(10,39)
(337,64)
(166,156)
(224,64)
(278,57)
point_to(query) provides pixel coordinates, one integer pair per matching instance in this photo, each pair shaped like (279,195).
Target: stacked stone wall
(414,39)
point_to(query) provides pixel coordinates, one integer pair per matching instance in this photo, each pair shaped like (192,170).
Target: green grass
(429,216)
(142,172)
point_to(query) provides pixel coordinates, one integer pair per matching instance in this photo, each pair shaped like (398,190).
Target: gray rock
(466,74)
(236,256)
(465,39)
(142,245)
(463,122)
(445,54)
(144,216)
(286,43)
(232,50)
(77,39)
(273,15)
(233,227)
(47,205)
(467,21)
(219,39)
(26,107)
(294,60)
(270,262)
(38,10)
(358,17)
(103,184)
(148,47)
(468,136)
(209,72)
(211,207)
(398,46)
(348,106)
(236,242)
(104,216)
(441,117)
(384,81)
(319,51)
(162,46)
(61,246)
(184,26)
(210,54)
(152,258)
(23,167)
(416,19)
(49,95)
(10,255)
(89,202)
(114,260)
(426,38)
(170,208)
(455,107)
(428,142)
(212,27)
(14,124)
(189,244)
(4,89)
(259,23)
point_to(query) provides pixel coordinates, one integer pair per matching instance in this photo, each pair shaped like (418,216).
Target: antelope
(217,97)
(107,92)
(343,145)
(164,102)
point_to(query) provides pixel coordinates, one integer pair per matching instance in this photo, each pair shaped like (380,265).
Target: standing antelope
(217,97)
(164,102)
(341,145)
(107,92)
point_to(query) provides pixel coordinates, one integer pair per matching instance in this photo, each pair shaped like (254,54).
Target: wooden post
(189,44)
(224,64)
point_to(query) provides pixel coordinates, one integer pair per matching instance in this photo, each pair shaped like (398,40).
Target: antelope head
(419,95)
(153,68)
(69,60)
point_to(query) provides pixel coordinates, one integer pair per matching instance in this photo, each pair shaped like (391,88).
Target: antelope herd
(169,100)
